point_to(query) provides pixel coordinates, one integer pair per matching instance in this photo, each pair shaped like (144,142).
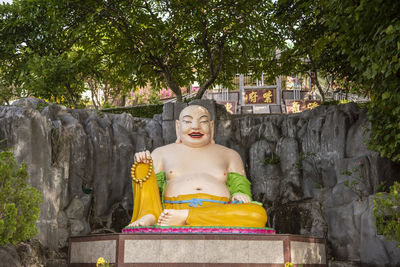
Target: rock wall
(298,165)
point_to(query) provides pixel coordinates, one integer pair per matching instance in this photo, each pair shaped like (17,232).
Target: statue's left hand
(143,157)
(241,197)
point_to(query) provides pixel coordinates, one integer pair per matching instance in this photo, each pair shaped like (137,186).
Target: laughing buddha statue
(199,182)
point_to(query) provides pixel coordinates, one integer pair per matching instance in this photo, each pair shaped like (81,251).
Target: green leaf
(389,29)
(385,95)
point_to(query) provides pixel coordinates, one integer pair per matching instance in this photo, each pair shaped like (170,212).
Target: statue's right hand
(143,157)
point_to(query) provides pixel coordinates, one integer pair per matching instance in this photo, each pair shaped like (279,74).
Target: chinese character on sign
(312,105)
(228,107)
(295,107)
(259,96)
(253,97)
(267,97)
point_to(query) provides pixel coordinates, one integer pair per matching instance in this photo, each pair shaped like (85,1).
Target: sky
(5,1)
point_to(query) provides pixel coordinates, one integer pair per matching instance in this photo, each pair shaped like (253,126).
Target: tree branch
(213,71)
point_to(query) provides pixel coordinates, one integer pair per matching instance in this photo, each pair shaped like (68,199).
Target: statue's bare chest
(182,163)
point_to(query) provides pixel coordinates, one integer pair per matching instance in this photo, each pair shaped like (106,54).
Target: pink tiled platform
(157,249)
(198,230)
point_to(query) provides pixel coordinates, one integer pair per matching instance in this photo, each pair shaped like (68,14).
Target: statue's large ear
(178,130)
(212,132)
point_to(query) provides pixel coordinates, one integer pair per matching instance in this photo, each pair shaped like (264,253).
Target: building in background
(255,96)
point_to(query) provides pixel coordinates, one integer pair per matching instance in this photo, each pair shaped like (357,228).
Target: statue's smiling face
(194,128)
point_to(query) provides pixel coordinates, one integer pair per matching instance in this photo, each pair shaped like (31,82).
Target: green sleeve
(161,181)
(238,183)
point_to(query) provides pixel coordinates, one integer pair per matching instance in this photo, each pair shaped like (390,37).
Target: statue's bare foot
(146,220)
(173,217)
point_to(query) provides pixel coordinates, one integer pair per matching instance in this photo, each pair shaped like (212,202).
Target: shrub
(387,213)
(146,111)
(335,102)
(19,202)
(273,159)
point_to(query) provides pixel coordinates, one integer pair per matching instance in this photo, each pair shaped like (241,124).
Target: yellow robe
(209,213)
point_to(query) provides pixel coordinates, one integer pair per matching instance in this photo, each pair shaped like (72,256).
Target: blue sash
(197,201)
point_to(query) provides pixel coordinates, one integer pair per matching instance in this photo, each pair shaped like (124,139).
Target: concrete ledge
(197,250)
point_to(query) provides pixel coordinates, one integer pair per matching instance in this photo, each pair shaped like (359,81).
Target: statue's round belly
(194,184)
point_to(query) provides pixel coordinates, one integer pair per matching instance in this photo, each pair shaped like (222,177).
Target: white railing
(350,97)
(173,100)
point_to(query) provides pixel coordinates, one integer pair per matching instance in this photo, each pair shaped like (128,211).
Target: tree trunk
(71,95)
(205,86)
(314,77)
(214,70)
(123,100)
(106,93)
(93,91)
(172,84)
(94,97)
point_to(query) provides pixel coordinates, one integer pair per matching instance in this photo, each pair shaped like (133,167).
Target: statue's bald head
(187,111)
(195,128)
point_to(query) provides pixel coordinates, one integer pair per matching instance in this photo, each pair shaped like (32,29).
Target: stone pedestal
(197,250)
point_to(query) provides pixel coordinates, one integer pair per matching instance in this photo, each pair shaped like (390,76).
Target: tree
(37,53)
(174,43)
(19,202)
(356,43)
(300,24)
(309,43)
(366,35)
(43,52)
(229,37)
(162,43)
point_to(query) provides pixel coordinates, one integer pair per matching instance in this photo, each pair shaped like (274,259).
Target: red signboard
(230,106)
(295,106)
(259,96)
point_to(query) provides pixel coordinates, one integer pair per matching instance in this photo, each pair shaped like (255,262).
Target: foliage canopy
(57,46)
(356,43)
(367,36)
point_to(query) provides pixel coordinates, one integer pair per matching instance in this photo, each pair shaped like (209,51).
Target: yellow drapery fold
(146,198)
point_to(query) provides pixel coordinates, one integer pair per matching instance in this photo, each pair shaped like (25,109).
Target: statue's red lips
(196,135)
